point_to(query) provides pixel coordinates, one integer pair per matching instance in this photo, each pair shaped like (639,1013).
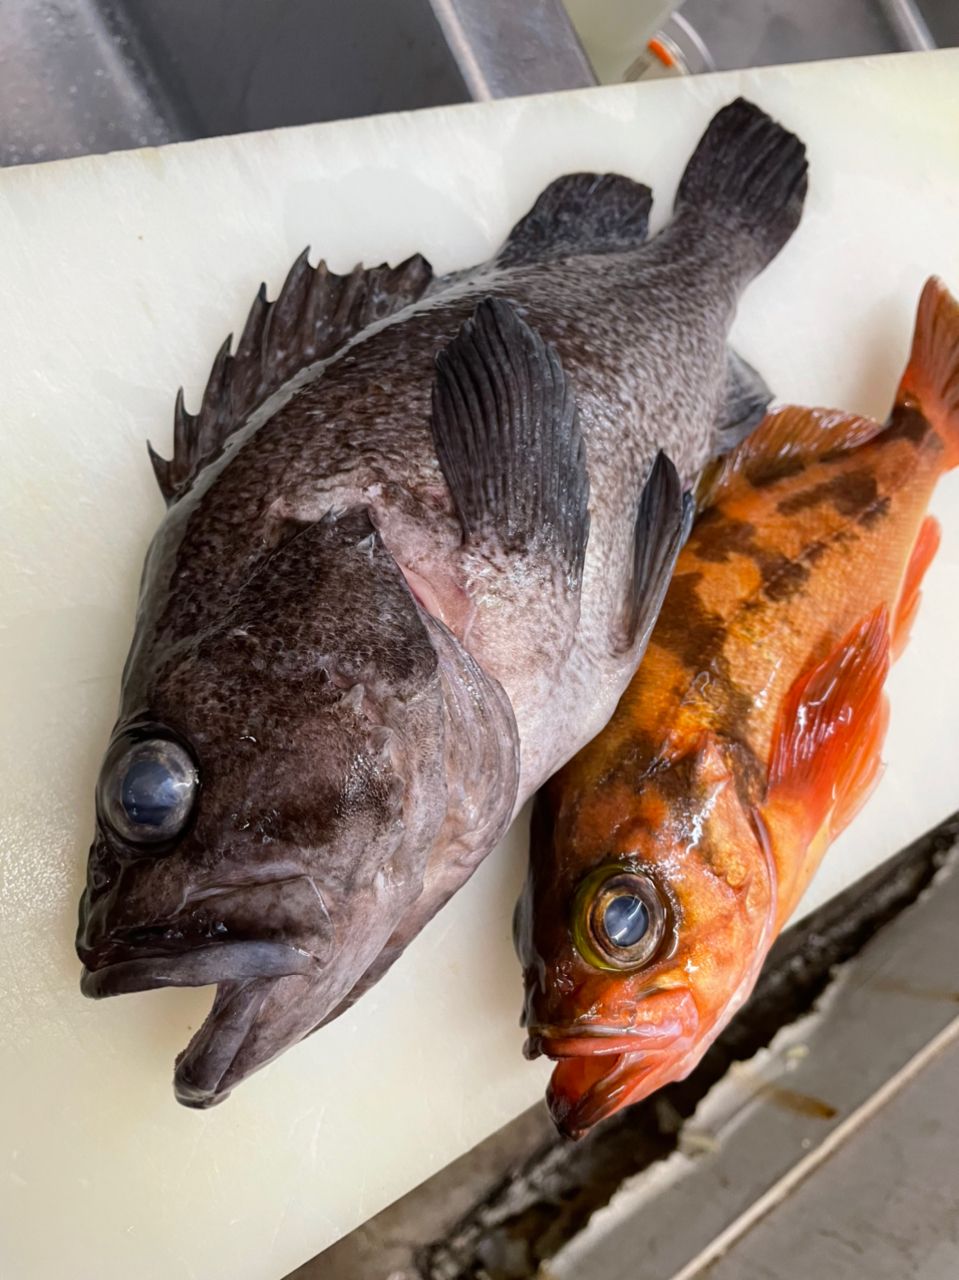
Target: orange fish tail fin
(923,553)
(826,749)
(931,380)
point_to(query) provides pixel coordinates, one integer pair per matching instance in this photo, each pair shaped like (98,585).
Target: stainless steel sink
(79,76)
(751,33)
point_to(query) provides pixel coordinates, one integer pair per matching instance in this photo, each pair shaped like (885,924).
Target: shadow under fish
(417,536)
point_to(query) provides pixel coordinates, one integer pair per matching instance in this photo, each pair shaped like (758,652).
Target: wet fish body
(667,856)
(417,536)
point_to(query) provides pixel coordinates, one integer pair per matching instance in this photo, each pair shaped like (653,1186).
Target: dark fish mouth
(197,967)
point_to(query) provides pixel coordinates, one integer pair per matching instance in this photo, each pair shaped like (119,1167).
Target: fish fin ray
(786,439)
(507,439)
(749,174)
(744,404)
(864,774)
(931,379)
(663,522)
(315,314)
(581,213)
(830,731)
(910,595)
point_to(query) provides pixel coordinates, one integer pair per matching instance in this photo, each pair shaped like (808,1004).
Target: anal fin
(923,554)
(663,522)
(507,439)
(580,213)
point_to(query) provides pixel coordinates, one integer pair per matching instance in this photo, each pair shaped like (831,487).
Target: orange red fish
(669,853)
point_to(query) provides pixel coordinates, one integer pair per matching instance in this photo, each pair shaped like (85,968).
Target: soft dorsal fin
(786,440)
(581,213)
(315,313)
(507,440)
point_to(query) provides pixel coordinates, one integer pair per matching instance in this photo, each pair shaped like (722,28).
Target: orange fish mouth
(601,1068)
(597,1040)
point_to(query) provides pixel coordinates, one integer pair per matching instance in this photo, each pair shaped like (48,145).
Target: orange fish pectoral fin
(923,554)
(825,752)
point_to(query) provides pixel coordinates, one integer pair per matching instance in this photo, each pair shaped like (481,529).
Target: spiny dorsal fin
(581,213)
(507,440)
(784,442)
(315,313)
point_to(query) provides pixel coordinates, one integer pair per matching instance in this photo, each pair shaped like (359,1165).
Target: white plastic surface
(120,276)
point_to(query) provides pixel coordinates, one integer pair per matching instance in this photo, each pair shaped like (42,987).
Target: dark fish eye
(147,789)
(620,918)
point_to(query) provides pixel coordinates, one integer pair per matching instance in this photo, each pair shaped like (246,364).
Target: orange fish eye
(620,918)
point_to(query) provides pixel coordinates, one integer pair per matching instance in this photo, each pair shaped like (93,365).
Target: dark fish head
(645,917)
(269,798)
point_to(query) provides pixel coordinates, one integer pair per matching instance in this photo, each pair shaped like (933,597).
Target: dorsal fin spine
(314,315)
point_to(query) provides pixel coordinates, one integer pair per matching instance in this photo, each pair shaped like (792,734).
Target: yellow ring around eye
(593,896)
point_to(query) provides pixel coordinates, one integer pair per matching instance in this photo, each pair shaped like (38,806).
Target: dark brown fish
(417,536)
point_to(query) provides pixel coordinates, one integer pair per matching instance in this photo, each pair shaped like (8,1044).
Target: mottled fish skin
(369,694)
(748,739)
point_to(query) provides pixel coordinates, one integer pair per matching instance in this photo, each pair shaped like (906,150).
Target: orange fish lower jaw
(601,1068)
(586,1089)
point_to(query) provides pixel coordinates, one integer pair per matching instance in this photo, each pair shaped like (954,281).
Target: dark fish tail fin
(749,175)
(931,380)
(581,213)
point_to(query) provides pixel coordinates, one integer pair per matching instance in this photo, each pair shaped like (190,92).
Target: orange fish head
(646,915)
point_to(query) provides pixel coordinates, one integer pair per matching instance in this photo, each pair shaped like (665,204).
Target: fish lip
(196,967)
(598,1103)
(596,1038)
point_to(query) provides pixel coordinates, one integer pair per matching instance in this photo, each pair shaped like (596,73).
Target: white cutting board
(119,277)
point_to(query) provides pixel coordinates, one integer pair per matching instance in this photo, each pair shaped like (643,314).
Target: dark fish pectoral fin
(663,523)
(315,313)
(749,174)
(744,404)
(581,213)
(507,439)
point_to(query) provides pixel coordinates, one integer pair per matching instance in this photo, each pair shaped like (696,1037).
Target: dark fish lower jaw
(203,1075)
(197,967)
